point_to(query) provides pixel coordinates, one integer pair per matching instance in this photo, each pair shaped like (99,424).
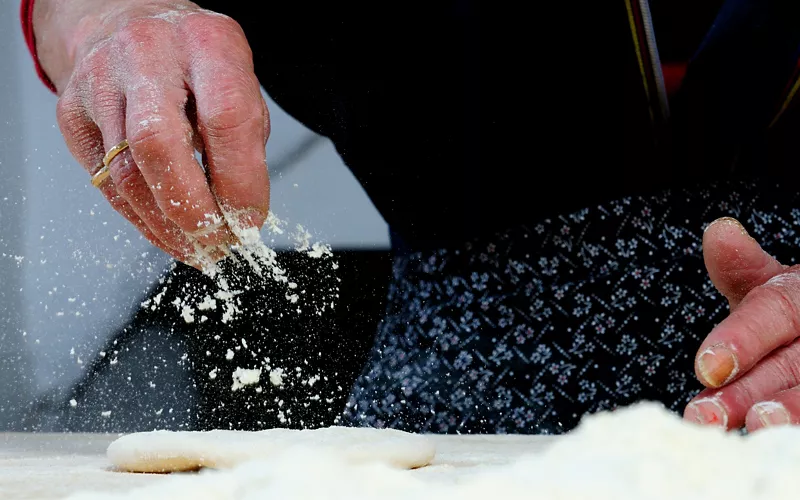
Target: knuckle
(218,23)
(94,87)
(127,179)
(96,63)
(746,391)
(106,104)
(149,137)
(786,366)
(781,300)
(138,33)
(234,114)
(95,73)
(217,33)
(224,22)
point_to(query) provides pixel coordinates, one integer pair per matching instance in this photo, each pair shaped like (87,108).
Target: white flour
(276,377)
(252,250)
(640,452)
(222,300)
(243,377)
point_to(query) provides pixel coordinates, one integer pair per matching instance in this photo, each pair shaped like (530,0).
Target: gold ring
(100,175)
(104,172)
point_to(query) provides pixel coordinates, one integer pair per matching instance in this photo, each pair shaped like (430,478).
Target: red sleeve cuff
(26,16)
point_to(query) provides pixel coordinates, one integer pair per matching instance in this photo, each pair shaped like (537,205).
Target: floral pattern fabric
(527,331)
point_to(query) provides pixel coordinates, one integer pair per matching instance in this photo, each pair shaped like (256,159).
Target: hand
(171,78)
(750,363)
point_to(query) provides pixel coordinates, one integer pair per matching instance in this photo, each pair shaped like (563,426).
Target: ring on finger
(103,173)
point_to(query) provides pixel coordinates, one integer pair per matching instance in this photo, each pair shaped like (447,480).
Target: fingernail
(730,221)
(772,413)
(717,365)
(252,217)
(707,411)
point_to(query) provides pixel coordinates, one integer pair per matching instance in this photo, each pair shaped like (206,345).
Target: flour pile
(639,452)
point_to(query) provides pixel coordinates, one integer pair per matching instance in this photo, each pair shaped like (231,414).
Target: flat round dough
(175,451)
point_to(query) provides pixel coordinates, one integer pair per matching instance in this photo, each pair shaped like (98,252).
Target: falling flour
(187,313)
(250,249)
(243,377)
(222,299)
(638,452)
(276,376)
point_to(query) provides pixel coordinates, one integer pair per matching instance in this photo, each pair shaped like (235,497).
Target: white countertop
(52,466)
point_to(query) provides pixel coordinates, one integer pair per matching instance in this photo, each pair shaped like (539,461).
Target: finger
(85,142)
(160,139)
(119,204)
(736,263)
(766,319)
(782,408)
(727,407)
(132,187)
(232,119)
(108,111)
(177,185)
(81,134)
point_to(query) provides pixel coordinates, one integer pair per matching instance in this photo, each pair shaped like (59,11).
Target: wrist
(58,27)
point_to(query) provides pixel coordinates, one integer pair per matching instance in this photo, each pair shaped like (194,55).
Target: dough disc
(175,451)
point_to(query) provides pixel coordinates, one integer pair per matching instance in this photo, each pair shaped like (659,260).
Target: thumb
(735,262)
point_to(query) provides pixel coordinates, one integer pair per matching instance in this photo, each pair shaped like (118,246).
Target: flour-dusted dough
(173,451)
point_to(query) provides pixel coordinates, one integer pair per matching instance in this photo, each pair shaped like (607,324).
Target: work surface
(52,466)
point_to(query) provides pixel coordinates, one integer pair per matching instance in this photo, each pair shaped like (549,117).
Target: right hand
(171,78)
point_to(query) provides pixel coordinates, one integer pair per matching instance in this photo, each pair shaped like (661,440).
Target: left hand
(750,362)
